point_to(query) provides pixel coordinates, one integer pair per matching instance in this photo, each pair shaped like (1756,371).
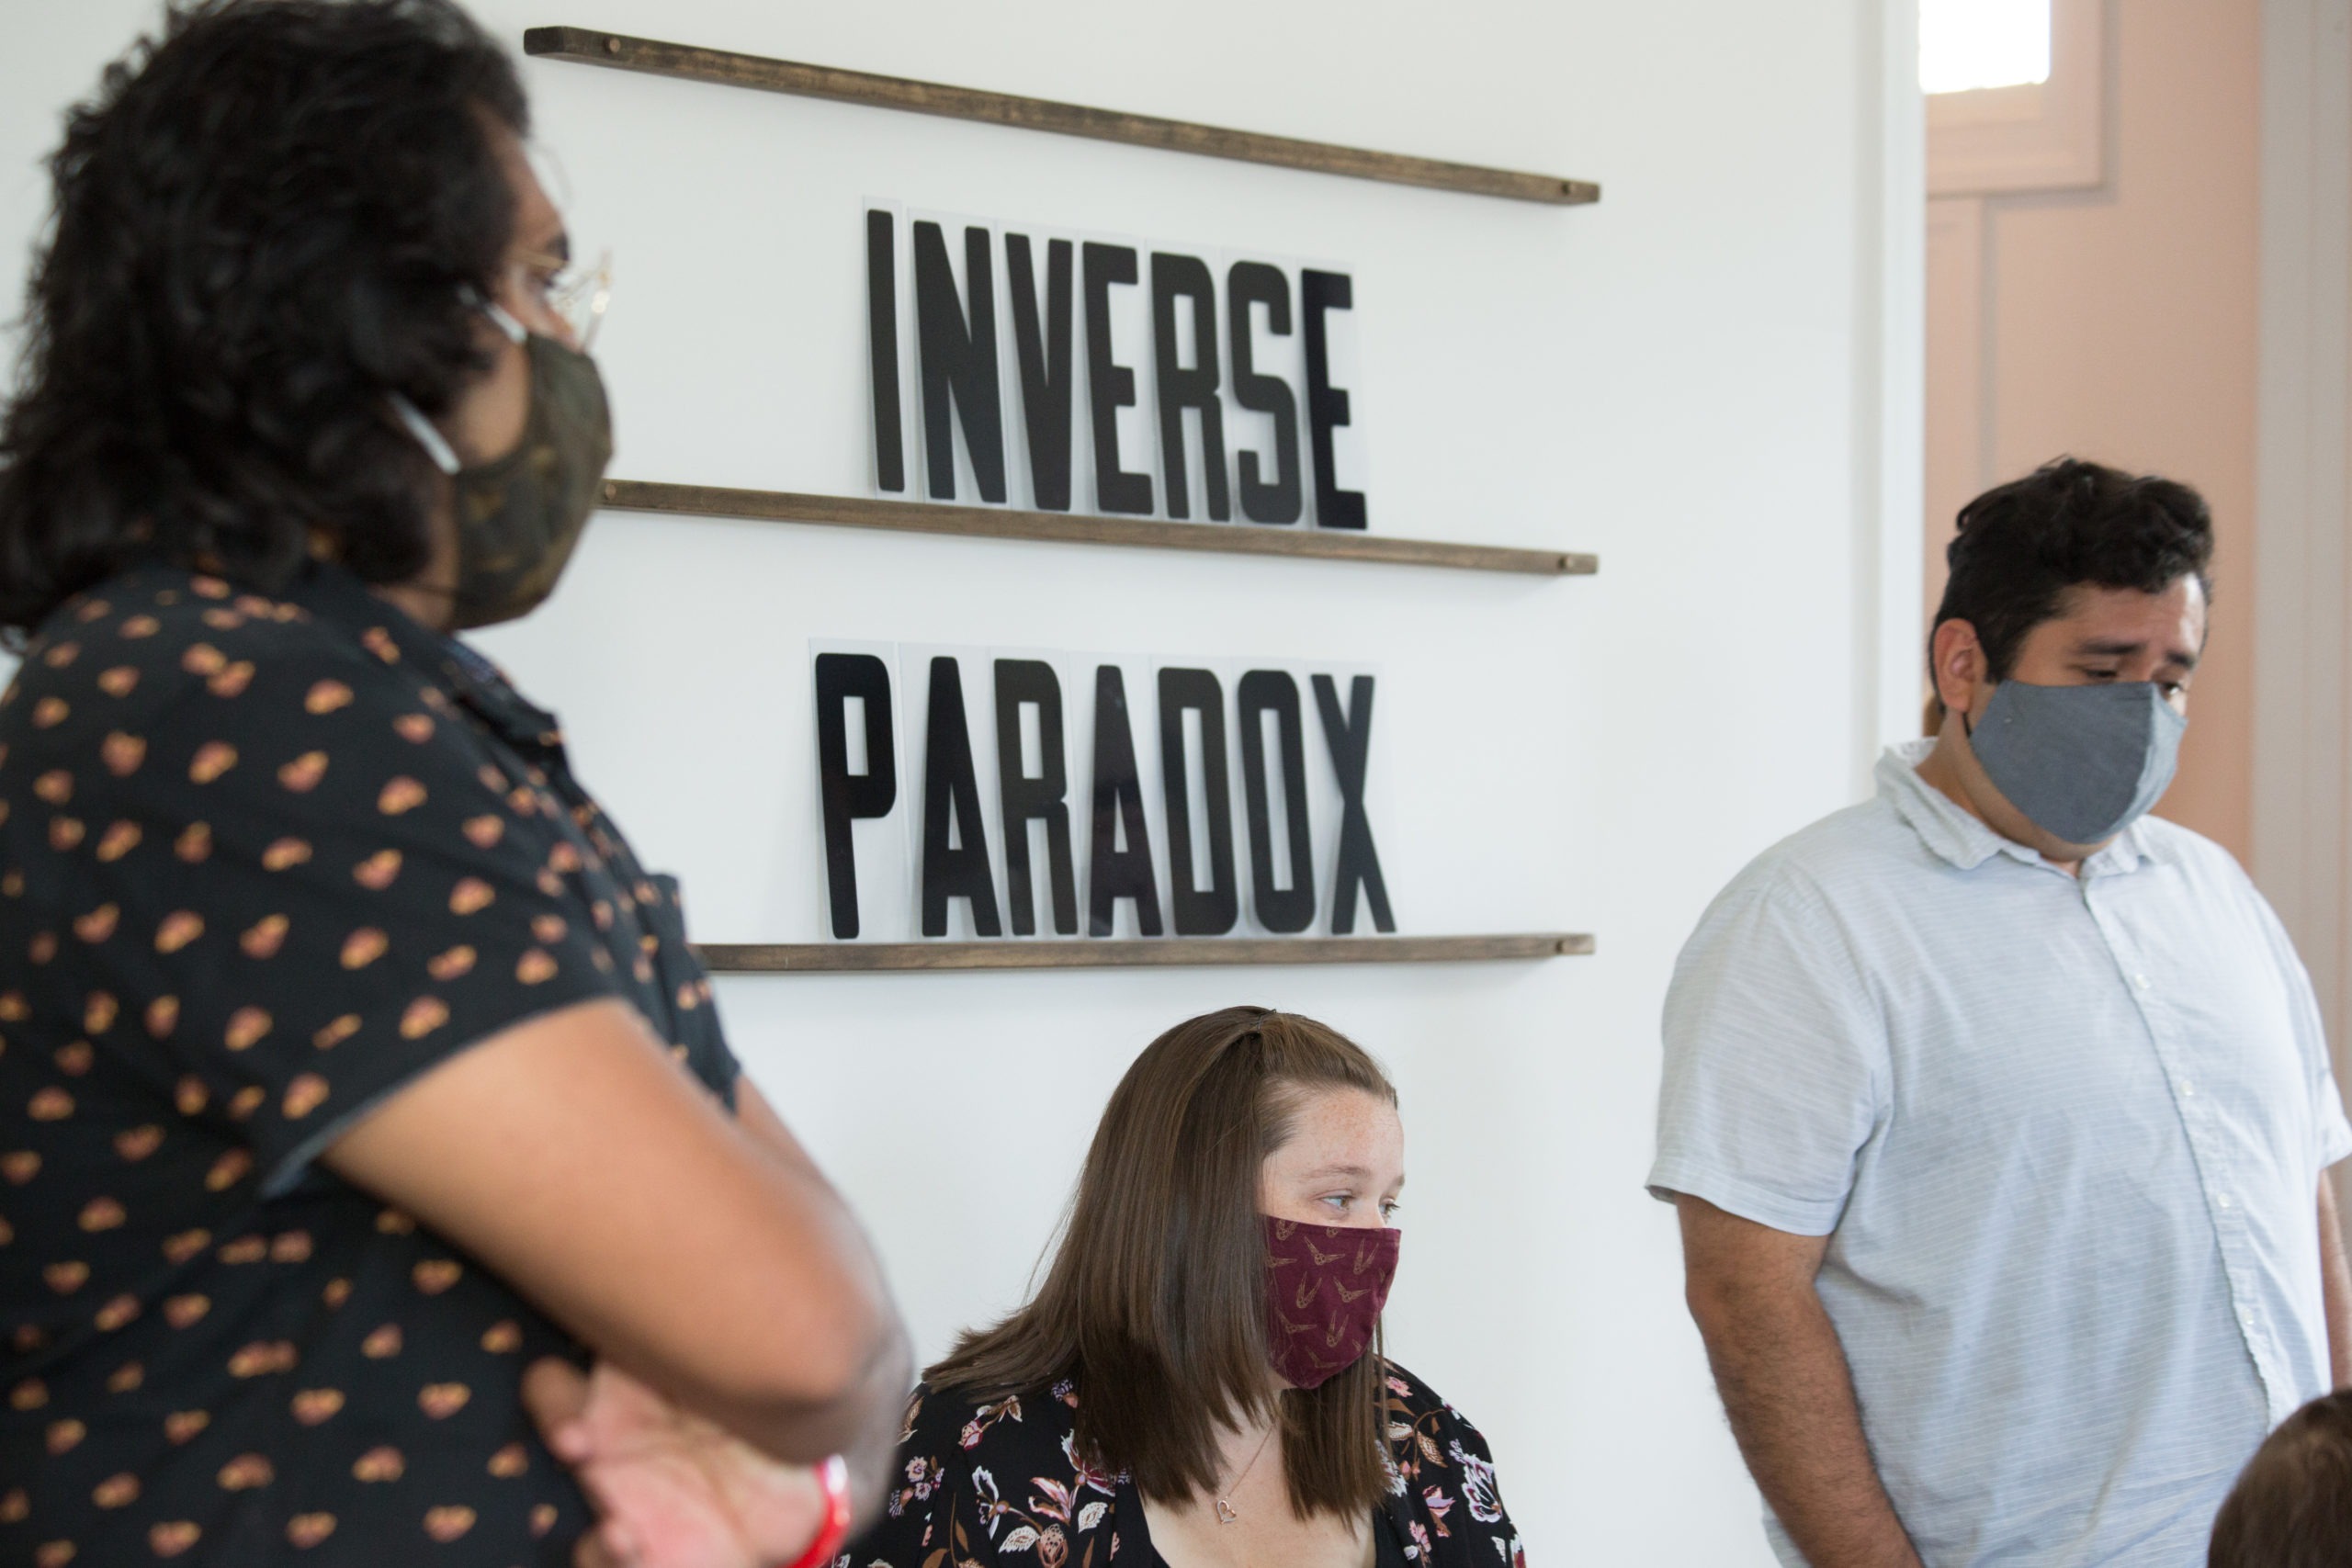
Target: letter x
(1348,736)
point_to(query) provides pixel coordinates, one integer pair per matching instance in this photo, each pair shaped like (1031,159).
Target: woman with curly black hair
(375,1183)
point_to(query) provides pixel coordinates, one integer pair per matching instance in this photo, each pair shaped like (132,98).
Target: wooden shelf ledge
(1080,528)
(799,958)
(587,46)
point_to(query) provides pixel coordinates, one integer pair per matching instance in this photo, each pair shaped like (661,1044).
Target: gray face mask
(2082,762)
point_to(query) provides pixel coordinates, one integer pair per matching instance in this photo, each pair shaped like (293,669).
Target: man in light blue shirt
(1997,1114)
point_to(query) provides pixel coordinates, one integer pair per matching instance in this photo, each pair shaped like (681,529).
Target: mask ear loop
(513,329)
(499,315)
(436,446)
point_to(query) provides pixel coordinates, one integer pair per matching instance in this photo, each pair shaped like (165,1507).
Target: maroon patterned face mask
(1325,1287)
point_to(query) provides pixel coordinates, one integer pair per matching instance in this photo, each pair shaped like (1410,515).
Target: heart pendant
(1226,1513)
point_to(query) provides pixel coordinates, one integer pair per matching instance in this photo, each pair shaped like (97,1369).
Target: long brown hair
(1154,1302)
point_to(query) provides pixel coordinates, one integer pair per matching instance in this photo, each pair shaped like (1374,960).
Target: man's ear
(1957,663)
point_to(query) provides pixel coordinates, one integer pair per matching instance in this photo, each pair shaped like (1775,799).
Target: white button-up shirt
(2065,1136)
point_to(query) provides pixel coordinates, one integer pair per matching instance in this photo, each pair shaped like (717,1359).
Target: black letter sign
(1211,910)
(882,346)
(1326,405)
(1348,735)
(1044,366)
(1110,387)
(1248,283)
(1288,909)
(1112,873)
(952,870)
(1027,800)
(959,352)
(848,797)
(1174,278)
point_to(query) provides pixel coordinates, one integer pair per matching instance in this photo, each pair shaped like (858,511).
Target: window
(1967,44)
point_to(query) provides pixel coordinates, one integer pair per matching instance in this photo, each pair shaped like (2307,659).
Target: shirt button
(2224,1200)
(2188,1089)
(2141,981)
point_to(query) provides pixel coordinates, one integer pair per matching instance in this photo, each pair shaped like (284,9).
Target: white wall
(2302,795)
(1685,379)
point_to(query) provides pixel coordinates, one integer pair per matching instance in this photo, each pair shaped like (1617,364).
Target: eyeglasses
(579,295)
(573,293)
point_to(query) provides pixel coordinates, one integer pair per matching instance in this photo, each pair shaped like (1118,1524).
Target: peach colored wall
(2120,324)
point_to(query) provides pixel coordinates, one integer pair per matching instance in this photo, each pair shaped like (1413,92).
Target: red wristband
(834,1531)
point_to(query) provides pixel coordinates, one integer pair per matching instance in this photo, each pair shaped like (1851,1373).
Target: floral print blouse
(1001,1482)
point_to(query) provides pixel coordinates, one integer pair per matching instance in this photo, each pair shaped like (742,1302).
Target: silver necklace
(1225,1512)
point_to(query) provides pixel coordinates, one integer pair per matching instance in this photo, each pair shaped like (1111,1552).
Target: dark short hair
(264,222)
(2023,546)
(2292,1504)
(1155,1301)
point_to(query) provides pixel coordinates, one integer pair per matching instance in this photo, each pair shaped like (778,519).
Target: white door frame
(1890,382)
(2303,853)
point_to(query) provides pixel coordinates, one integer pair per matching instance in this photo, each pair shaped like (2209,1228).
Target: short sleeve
(313,882)
(1775,1068)
(2334,1132)
(2331,1133)
(917,1497)
(1441,1469)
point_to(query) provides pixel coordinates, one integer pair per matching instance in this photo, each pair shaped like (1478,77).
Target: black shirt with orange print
(263,861)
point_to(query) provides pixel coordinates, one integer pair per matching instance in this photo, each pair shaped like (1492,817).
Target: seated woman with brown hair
(1191,1386)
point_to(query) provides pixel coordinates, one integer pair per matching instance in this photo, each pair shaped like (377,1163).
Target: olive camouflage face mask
(519,516)
(2082,762)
